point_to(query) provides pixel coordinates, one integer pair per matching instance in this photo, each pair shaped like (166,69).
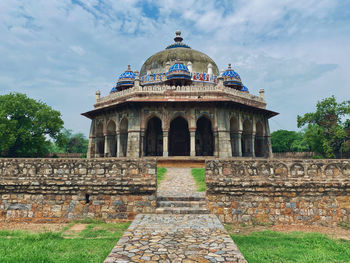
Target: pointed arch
(154,137)
(124,126)
(111,138)
(234,136)
(179,137)
(100,140)
(247,138)
(204,137)
(259,139)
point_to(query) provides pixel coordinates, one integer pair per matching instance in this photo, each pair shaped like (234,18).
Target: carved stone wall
(50,190)
(279,190)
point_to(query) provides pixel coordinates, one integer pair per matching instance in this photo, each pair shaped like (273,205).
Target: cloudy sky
(62,51)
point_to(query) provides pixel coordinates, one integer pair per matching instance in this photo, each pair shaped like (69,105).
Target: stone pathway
(182,231)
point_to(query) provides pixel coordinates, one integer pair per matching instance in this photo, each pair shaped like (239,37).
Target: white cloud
(62,51)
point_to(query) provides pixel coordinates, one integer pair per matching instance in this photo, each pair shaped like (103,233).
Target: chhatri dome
(179,105)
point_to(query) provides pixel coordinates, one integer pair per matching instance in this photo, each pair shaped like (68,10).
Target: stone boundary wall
(279,191)
(56,190)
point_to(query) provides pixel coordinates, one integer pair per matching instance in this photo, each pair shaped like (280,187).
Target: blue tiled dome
(245,89)
(178,67)
(126,79)
(231,77)
(114,89)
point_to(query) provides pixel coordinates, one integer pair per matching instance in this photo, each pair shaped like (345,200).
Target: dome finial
(229,66)
(178,37)
(129,68)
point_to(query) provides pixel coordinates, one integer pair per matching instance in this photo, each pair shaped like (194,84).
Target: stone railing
(160,89)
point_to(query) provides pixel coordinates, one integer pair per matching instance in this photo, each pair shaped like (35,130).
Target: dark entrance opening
(204,138)
(179,138)
(154,138)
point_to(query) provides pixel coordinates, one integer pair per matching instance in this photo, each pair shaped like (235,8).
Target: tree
(288,141)
(326,131)
(26,125)
(72,143)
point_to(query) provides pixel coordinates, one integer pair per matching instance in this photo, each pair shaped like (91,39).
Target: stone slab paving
(178,182)
(175,238)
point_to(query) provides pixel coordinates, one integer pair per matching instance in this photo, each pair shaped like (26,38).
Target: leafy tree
(26,125)
(72,143)
(326,131)
(288,141)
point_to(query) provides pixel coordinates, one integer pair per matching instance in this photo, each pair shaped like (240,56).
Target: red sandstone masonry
(279,191)
(56,190)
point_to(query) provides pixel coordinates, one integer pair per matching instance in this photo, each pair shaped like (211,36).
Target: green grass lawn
(92,244)
(160,174)
(199,176)
(269,246)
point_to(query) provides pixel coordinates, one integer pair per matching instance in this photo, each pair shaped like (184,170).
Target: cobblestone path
(182,232)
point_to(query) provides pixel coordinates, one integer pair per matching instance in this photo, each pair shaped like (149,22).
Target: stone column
(269,146)
(165,144)
(106,153)
(224,149)
(239,136)
(193,143)
(119,154)
(216,144)
(253,144)
(133,149)
(142,144)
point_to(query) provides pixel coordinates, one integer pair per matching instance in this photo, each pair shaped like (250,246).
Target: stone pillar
(133,149)
(239,136)
(193,143)
(216,144)
(142,144)
(165,144)
(106,153)
(119,154)
(268,146)
(224,149)
(253,144)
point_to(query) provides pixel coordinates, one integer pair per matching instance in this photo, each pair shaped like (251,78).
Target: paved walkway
(176,237)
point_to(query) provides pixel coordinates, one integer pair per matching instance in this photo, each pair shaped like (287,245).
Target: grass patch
(199,176)
(270,246)
(93,244)
(160,174)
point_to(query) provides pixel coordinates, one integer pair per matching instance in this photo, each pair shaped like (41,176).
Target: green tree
(26,125)
(326,131)
(72,143)
(288,141)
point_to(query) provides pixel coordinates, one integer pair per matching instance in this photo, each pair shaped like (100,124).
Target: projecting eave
(91,114)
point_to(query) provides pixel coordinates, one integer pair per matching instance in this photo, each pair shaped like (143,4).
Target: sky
(61,51)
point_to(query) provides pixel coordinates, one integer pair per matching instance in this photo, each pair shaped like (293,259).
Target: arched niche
(154,138)
(247,138)
(123,137)
(204,137)
(179,137)
(111,139)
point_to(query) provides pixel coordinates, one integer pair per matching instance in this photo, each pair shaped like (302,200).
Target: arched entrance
(100,140)
(154,138)
(179,138)
(247,139)
(123,137)
(259,140)
(111,139)
(234,136)
(204,137)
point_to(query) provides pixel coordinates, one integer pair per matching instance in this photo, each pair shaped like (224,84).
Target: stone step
(182,210)
(192,204)
(180,198)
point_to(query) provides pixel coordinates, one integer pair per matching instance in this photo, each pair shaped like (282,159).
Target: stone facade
(56,190)
(279,191)
(214,124)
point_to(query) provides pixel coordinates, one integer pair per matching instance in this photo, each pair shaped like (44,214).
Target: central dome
(160,62)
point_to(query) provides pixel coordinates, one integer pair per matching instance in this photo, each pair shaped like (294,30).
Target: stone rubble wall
(281,191)
(56,190)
